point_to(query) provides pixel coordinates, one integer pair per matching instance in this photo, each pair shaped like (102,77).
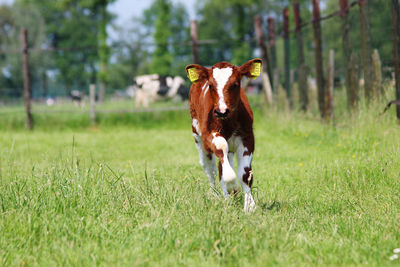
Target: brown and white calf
(222,124)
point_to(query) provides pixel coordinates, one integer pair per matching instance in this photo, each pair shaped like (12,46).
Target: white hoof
(249,204)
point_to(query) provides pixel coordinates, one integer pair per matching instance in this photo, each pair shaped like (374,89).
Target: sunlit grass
(130,191)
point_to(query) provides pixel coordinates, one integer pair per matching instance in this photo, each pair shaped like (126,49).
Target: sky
(126,9)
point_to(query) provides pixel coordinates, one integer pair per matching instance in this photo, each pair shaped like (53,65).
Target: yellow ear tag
(255,70)
(193,75)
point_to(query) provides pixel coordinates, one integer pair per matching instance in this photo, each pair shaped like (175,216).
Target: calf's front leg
(207,161)
(227,175)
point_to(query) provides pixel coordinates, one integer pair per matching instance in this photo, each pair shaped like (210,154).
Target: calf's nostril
(218,113)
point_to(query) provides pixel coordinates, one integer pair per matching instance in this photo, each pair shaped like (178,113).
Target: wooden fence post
(92,96)
(266,75)
(285,14)
(318,57)
(396,49)
(27,81)
(271,42)
(354,80)
(330,86)
(275,79)
(377,73)
(194,36)
(302,84)
(102,92)
(366,49)
(347,53)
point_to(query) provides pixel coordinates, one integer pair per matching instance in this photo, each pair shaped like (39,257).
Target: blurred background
(320,57)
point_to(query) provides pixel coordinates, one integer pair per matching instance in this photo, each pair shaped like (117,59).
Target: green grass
(130,191)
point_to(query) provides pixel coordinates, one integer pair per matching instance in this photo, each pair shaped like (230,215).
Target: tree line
(71,48)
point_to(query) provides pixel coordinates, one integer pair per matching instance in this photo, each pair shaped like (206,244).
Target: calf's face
(222,82)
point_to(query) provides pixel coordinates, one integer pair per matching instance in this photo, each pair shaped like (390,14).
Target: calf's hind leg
(244,157)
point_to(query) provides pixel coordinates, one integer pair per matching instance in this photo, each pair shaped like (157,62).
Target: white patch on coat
(222,76)
(205,92)
(228,174)
(204,86)
(196,126)
(220,143)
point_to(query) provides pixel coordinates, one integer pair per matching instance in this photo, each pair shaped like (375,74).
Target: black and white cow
(152,87)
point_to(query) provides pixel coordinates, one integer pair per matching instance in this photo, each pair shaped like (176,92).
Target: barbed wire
(328,16)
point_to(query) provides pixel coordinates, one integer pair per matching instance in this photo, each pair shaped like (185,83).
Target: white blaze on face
(222,76)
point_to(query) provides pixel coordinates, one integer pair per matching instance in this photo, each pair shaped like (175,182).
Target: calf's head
(222,82)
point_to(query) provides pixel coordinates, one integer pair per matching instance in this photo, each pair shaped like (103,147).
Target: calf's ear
(196,72)
(252,68)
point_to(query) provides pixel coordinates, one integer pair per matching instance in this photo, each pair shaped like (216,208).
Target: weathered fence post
(102,92)
(271,42)
(377,73)
(287,55)
(396,49)
(330,86)
(347,52)
(302,81)
(275,78)
(366,49)
(354,80)
(27,80)
(272,49)
(319,70)
(92,96)
(266,74)
(194,36)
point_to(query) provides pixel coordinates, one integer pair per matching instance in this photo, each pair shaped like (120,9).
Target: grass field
(130,191)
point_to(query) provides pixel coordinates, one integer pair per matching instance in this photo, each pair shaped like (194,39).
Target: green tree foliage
(215,24)
(231,24)
(381,34)
(180,36)
(158,41)
(104,18)
(72,29)
(76,30)
(162,59)
(130,58)
(170,32)
(13,19)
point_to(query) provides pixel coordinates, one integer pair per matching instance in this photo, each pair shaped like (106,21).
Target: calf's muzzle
(221,114)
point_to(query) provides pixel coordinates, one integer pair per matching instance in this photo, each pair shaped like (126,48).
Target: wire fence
(212,49)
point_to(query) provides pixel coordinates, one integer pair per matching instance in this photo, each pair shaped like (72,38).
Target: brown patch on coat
(247,177)
(220,170)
